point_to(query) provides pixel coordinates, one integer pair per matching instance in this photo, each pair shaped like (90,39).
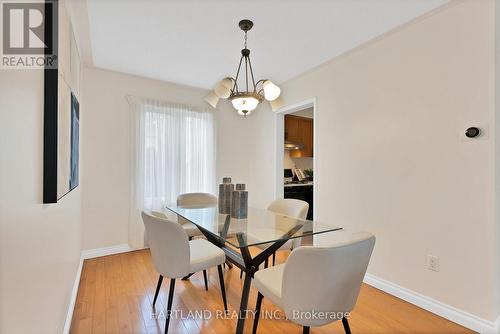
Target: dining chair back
(290,207)
(295,208)
(201,200)
(196,199)
(169,245)
(325,279)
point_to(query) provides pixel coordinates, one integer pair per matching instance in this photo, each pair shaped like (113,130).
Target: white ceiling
(198,42)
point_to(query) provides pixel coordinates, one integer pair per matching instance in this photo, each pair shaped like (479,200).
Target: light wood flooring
(116,292)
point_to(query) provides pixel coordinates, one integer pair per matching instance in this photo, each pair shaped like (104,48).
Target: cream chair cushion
(269,281)
(204,255)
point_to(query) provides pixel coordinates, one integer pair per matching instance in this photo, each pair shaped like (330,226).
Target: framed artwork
(74,157)
(61,143)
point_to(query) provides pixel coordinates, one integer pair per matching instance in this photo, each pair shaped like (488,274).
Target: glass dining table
(236,236)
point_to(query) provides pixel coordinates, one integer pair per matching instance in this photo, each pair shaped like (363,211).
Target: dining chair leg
(228,264)
(205,279)
(241,273)
(266,263)
(274,258)
(305,330)
(222,287)
(169,304)
(347,329)
(158,286)
(257,313)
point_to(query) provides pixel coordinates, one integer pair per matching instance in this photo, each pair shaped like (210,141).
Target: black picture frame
(50,105)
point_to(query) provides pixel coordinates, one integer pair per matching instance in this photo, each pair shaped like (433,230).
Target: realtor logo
(29,34)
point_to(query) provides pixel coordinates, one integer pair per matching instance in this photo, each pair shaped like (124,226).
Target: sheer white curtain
(174,153)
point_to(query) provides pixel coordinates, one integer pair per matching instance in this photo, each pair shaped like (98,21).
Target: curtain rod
(133,99)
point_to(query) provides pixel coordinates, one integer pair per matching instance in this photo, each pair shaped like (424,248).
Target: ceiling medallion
(245,101)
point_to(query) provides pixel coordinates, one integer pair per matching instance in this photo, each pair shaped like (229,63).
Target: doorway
(296,153)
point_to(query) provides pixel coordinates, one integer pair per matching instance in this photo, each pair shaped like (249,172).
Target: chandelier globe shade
(271,91)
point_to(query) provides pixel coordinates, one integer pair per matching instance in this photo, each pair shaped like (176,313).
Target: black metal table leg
(243,304)
(187,276)
(244,261)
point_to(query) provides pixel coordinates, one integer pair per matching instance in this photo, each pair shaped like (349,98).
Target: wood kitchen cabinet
(300,130)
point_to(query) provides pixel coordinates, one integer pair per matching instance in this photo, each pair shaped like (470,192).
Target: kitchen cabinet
(302,192)
(300,130)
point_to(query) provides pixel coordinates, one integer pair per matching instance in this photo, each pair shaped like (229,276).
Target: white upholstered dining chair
(174,256)
(317,280)
(294,208)
(194,199)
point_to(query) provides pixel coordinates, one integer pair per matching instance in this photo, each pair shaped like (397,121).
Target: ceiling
(197,43)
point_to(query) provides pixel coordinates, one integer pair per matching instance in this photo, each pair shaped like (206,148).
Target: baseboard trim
(72,300)
(446,311)
(98,252)
(88,254)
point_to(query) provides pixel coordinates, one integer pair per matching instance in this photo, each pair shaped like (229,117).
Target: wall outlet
(433,262)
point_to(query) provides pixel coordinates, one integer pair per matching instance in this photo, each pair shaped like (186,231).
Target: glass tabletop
(260,227)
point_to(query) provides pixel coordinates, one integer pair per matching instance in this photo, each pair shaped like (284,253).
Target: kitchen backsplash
(302,163)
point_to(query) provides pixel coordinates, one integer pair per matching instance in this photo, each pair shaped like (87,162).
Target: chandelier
(247,95)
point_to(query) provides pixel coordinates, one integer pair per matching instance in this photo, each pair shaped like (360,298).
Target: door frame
(280,143)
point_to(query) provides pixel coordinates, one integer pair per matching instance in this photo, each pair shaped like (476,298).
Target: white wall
(392,158)
(497,146)
(39,244)
(106,148)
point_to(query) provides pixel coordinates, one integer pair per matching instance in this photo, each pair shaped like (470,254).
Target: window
(175,153)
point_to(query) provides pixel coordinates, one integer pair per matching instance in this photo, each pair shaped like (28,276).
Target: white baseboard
(89,254)
(98,252)
(72,300)
(446,311)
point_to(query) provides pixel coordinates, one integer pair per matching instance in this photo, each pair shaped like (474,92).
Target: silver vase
(239,208)
(225,192)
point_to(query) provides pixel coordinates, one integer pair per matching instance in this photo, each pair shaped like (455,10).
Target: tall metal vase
(239,208)
(225,193)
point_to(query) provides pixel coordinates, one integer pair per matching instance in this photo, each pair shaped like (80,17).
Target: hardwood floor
(116,292)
